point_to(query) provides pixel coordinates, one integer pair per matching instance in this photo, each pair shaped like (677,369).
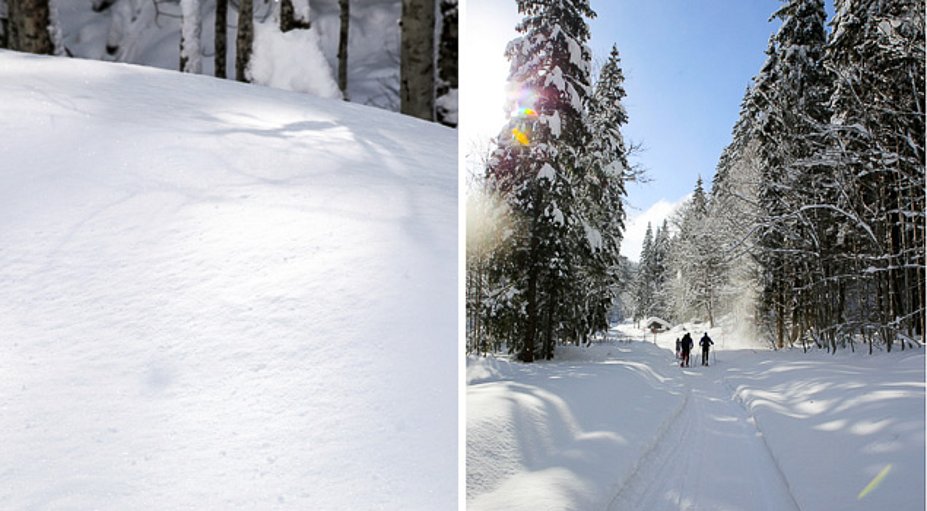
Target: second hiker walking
(705,342)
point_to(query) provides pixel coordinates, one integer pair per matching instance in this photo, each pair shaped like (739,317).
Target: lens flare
(875,482)
(520,136)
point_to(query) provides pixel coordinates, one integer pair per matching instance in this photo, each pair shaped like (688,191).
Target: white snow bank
(562,435)
(291,61)
(221,296)
(834,422)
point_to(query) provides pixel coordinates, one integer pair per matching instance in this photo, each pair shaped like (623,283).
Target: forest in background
(812,232)
(399,55)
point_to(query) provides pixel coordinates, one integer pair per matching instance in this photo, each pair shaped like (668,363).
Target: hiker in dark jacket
(686,348)
(705,342)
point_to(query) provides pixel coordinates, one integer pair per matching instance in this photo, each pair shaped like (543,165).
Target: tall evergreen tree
(661,272)
(601,192)
(790,95)
(877,56)
(536,168)
(643,283)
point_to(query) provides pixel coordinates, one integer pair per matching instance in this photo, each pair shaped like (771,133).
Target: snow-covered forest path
(712,456)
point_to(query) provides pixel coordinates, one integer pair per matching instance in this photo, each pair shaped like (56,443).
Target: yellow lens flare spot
(875,482)
(520,136)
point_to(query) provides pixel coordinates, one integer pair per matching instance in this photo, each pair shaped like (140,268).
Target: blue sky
(686,65)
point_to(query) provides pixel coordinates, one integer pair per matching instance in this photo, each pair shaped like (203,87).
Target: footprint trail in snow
(712,457)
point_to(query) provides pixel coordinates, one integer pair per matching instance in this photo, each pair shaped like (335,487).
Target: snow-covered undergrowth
(619,425)
(221,296)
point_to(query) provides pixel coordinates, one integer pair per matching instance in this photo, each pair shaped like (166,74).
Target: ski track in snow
(710,457)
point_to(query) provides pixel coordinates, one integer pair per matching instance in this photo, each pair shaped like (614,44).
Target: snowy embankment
(621,426)
(562,435)
(221,296)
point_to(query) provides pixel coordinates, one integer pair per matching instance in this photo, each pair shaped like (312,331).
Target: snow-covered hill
(221,296)
(620,426)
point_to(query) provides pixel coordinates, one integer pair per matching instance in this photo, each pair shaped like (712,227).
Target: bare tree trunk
(190,58)
(417,55)
(29,22)
(447,64)
(222,12)
(343,47)
(4,25)
(245,39)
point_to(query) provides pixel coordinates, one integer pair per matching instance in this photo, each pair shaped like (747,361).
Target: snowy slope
(620,426)
(221,296)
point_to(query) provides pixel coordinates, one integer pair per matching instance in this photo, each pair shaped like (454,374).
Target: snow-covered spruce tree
(733,216)
(643,290)
(698,259)
(32,27)
(661,273)
(416,61)
(190,57)
(245,39)
(601,194)
(790,101)
(535,169)
(695,271)
(876,53)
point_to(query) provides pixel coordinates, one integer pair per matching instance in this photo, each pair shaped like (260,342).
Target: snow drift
(221,296)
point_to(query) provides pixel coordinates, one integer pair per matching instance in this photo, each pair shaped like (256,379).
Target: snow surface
(620,426)
(221,296)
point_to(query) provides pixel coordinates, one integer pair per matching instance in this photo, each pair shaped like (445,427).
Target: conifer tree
(790,100)
(601,192)
(536,168)
(643,285)
(877,56)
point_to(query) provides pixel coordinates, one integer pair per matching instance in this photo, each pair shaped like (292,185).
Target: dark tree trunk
(527,349)
(343,47)
(288,19)
(245,39)
(4,25)
(222,11)
(447,58)
(29,22)
(417,69)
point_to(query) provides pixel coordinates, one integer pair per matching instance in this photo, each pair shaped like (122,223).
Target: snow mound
(221,296)
(291,61)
